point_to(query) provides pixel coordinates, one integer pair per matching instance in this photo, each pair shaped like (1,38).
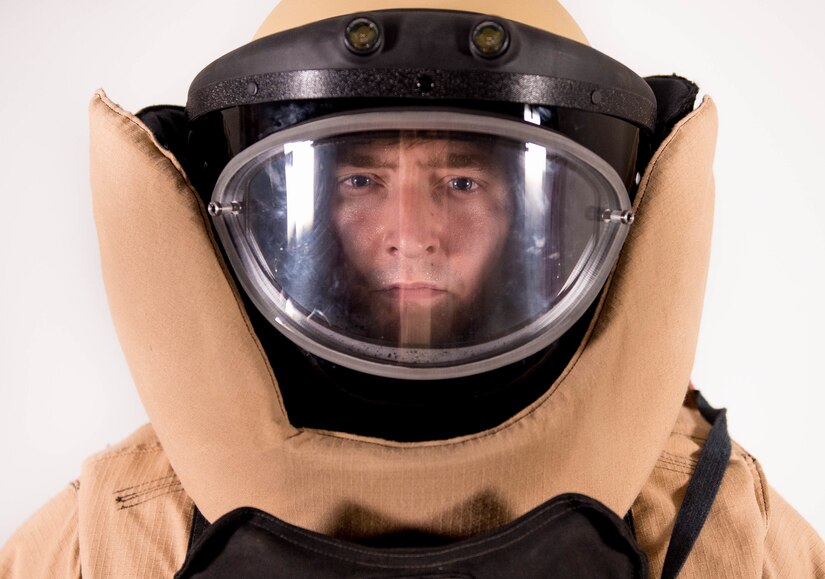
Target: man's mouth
(413,292)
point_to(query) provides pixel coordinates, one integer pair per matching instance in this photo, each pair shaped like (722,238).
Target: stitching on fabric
(143,484)
(675,464)
(673,468)
(691,436)
(146,491)
(204,222)
(676,461)
(146,500)
(678,128)
(679,458)
(162,488)
(134,496)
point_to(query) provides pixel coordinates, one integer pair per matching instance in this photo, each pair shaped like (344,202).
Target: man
(396,419)
(422,223)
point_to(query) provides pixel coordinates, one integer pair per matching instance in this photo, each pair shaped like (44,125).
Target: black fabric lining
(628,520)
(675,98)
(168,125)
(199,525)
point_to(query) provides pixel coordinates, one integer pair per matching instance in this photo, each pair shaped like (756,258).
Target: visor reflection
(299,169)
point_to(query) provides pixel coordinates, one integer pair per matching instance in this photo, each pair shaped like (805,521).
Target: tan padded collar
(214,401)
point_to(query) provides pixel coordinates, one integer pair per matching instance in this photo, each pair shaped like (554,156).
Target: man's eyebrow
(459,161)
(367,161)
(450,161)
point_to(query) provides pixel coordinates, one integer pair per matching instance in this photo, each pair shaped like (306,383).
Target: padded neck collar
(216,407)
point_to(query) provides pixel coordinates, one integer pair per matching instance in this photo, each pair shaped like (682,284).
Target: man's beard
(444,322)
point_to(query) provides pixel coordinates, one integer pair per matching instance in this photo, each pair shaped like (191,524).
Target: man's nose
(418,220)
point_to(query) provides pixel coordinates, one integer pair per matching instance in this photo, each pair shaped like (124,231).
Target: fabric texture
(47,545)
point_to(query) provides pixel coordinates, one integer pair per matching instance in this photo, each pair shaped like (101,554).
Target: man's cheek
(355,239)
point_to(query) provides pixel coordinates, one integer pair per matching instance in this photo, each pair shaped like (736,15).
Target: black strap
(701,490)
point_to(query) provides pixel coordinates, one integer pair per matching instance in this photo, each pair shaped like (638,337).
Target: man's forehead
(428,150)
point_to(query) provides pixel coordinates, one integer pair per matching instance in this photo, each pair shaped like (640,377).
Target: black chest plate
(569,536)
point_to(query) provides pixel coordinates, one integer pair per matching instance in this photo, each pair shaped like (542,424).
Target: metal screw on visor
(617,216)
(216,209)
(362,36)
(489,39)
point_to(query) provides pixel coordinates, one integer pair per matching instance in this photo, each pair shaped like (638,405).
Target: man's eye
(358,184)
(462,184)
(359,181)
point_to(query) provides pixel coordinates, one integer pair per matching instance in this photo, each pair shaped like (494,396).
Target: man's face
(422,224)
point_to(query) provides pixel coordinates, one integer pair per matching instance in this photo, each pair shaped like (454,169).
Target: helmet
(417,190)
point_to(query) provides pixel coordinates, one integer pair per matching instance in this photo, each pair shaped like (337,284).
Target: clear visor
(420,245)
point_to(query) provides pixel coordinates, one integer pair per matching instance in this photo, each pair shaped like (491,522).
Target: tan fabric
(792,547)
(136,520)
(750,531)
(732,543)
(214,401)
(545,14)
(135,516)
(128,516)
(47,545)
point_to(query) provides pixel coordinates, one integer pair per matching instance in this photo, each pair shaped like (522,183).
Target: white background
(65,390)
